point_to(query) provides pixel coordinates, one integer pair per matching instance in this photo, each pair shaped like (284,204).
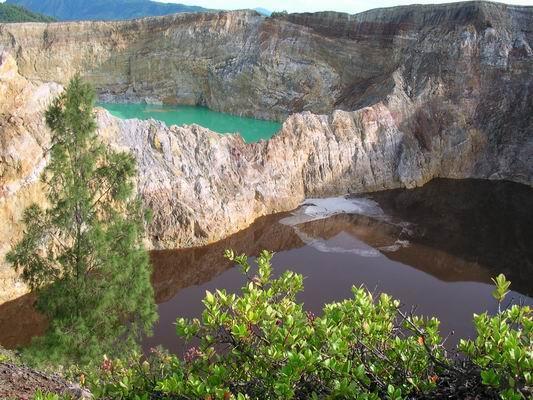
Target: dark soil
(21,383)
(454,387)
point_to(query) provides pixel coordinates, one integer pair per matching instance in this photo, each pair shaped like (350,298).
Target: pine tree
(83,253)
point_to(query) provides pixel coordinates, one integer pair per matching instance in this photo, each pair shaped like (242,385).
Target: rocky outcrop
(385,99)
(23,143)
(202,186)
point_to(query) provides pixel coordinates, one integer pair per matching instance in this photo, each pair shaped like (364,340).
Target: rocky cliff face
(23,143)
(384,99)
(463,70)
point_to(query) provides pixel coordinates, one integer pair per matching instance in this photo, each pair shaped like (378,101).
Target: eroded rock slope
(23,143)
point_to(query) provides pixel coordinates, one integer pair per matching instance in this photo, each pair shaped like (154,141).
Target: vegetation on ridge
(74,10)
(14,13)
(262,344)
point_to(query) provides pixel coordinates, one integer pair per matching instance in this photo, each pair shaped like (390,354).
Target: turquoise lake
(252,130)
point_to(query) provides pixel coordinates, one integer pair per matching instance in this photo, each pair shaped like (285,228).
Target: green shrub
(279,14)
(8,356)
(39,395)
(263,344)
(4,357)
(134,377)
(503,348)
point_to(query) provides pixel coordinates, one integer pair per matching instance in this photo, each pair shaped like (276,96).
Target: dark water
(435,248)
(251,129)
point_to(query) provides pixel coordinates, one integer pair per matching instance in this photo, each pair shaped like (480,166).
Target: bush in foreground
(503,348)
(264,345)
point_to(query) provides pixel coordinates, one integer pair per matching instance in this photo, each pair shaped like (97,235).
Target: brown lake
(434,248)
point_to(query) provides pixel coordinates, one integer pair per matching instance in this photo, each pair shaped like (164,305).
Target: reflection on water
(482,222)
(19,322)
(436,248)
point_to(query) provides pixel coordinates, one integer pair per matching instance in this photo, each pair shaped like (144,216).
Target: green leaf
(210,299)
(490,378)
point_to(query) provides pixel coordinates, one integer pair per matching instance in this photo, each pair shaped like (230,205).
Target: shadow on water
(436,248)
(19,322)
(486,223)
(456,236)
(178,269)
